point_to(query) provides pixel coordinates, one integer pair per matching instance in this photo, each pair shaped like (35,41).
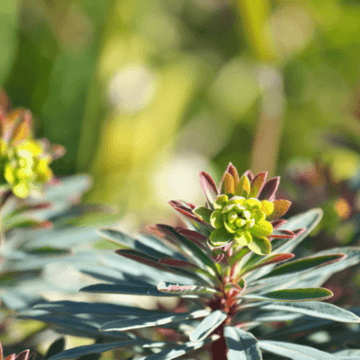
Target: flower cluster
(24,162)
(242,210)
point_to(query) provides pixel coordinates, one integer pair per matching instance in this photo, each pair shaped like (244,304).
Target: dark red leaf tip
(269,189)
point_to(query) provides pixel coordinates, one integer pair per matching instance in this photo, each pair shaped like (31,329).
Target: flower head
(241,210)
(240,219)
(24,162)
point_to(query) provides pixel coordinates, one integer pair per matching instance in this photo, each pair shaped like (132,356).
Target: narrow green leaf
(176,351)
(79,307)
(124,289)
(208,325)
(96,349)
(194,253)
(153,247)
(315,308)
(295,351)
(293,295)
(154,263)
(308,220)
(251,264)
(152,320)
(241,344)
(205,276)
(308,263)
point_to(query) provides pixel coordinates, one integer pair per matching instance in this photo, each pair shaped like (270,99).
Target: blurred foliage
(131,87)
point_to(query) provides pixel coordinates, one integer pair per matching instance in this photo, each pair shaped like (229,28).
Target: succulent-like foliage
(233,299)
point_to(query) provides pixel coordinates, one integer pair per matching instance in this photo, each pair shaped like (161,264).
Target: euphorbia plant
(24,161)
(232,283)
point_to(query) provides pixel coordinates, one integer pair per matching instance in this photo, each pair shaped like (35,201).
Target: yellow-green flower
(243,209)
(239,219)
(26,167)
(24,162)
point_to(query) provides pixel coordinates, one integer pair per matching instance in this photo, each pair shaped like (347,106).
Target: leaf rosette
(243,210)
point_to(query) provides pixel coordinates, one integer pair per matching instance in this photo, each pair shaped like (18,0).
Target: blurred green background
(145,94)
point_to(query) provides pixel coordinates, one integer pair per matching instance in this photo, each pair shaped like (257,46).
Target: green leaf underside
(315,308)
(208,325)
(152,320)
(176,351)
(260,246)
(295,351)
(293,295)
(186,289)
(241,345)
(124,289)
(99,348)
(305,264)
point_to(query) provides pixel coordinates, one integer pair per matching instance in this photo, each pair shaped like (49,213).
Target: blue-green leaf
(295,351)
(304,264)
(149,245)
(99,348)
(176,351)
(348,354)
(308,220)
(62,238)
(78,307)
(208,325)
(194,253)
(152,320)
(315,308)
(292,295)
(241,344)
(124,289)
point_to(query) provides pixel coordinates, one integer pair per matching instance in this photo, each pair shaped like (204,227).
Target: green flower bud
(241,220)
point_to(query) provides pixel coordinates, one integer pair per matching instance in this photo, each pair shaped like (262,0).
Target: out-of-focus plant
(24,162)
(234,299)
(37,214)
(24,355)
